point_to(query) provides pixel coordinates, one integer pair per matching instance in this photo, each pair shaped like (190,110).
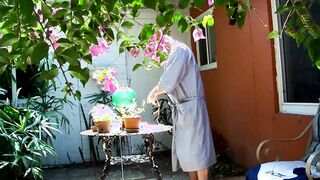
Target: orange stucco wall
(242,93)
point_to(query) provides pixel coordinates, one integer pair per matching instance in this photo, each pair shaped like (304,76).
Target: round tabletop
(145,129)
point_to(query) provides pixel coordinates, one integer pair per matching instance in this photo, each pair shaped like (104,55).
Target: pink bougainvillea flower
(55,45)
(55,10)
(101,29)
(113,72)
(163,39)
(104,47)
(134,52)
(37,10)
(145,52)
(157,46)
(153,38)
(113,88)
(101,48)
(94,50)
(198,34)
(155,58)
(160,47)
(210,2)
(54,35)
(152,54)
(108,86)
(167,46)
(152,47)
(36,34)
(106,77)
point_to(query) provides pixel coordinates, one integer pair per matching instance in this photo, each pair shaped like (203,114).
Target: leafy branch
(300,25)
(25,30)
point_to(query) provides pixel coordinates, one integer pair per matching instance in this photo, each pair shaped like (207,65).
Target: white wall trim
(208,66)
(284,107)
(300,108)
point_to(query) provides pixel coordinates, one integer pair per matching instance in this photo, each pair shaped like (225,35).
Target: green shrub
(22,140)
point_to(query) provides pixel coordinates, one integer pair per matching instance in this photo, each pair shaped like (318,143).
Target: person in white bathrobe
(192,145)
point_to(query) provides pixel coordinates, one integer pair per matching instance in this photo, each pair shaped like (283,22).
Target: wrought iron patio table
(147,132)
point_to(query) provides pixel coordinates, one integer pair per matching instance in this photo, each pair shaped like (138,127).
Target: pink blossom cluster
(107,78)
(101,112)
(134,51)
(197,32)
(100,48)
(157,44)
(39,14)
(54,36)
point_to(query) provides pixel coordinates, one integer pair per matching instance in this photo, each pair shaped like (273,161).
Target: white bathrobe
(192,144)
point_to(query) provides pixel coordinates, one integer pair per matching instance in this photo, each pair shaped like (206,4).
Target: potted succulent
(131,115)
(102,116)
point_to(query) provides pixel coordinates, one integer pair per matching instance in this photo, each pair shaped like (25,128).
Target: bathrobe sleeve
(175,69)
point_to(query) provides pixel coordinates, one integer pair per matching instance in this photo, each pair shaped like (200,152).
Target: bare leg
(193,175)
(203,174)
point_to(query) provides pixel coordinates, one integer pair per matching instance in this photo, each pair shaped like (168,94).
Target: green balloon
(123,96)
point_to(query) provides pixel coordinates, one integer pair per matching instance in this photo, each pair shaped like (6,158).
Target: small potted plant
(102,116)
(131,115)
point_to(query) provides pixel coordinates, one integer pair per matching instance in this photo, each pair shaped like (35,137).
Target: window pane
(203,49)
(5,83)
(27,81)
(211,44)
(301,77)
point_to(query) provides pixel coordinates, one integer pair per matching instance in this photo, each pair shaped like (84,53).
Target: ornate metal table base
(149,143)
(107,140)
(146,131)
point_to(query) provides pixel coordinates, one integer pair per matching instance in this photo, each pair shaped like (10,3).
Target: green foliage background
(22,21)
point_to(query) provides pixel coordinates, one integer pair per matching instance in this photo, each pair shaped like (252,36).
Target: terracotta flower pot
(103,126)
(131,122)
(94,128)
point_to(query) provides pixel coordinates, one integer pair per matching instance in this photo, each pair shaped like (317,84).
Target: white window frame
(15,101)
(285,107)
(209,65)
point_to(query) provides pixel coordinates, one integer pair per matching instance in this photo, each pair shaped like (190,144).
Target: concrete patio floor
(131,172)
